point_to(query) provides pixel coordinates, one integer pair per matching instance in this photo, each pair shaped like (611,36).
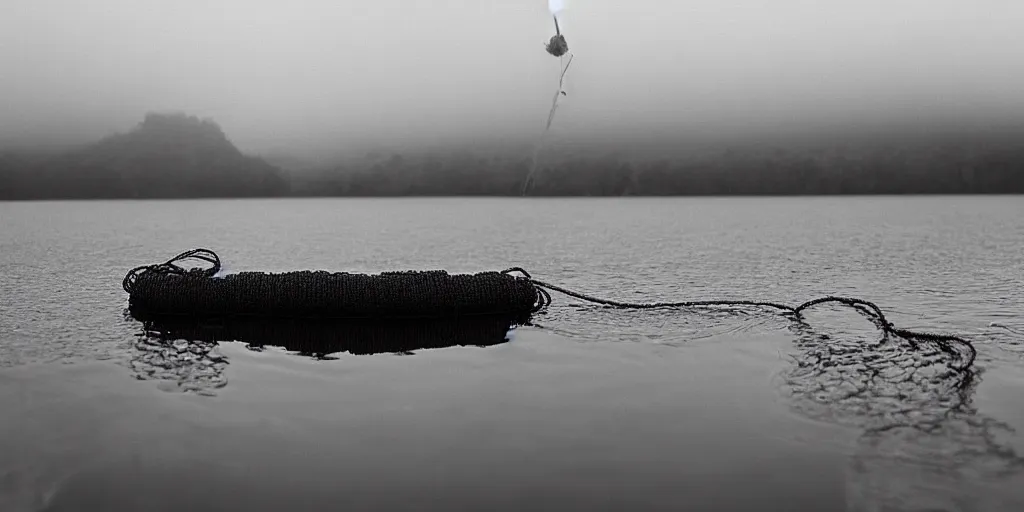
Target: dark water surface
(591,409)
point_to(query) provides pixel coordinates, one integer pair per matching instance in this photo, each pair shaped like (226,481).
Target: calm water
(590,409)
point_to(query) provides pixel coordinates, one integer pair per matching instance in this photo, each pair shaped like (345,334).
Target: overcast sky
(312,74)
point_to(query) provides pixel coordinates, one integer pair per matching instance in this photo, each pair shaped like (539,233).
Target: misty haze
(541,255)
(417,98)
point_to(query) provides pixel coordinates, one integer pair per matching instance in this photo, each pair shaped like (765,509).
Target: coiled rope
(170,289)
(947,343)
(171,267)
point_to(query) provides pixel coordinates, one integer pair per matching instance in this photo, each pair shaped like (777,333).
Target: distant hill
(165,156)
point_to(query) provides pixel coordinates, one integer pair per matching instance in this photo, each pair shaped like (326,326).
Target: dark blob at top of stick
(557,45)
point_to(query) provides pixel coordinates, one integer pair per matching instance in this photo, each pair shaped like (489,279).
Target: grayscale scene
(511,255)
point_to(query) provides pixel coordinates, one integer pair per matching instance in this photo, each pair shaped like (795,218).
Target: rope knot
(170,267)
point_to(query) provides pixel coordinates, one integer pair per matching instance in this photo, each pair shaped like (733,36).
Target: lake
(590,408)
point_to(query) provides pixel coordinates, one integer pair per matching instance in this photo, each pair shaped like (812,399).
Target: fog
(324,76)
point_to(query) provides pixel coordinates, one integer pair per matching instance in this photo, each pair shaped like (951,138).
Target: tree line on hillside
(886,171)
(178,156)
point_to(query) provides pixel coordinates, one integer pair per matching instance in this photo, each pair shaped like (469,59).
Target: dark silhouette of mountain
(165,156)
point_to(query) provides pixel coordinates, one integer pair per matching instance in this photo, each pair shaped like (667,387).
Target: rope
(547,127)
(422,291)
(169,289)
(945,342)
(1006,328)
(170,267)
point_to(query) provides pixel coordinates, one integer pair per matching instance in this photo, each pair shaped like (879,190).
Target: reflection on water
(941,263)
(923,444)
(182,353)
(671,327)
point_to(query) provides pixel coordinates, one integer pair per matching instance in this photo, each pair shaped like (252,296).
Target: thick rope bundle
(168,289)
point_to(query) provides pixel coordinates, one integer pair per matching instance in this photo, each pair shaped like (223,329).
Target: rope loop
(520,270)
(171,267)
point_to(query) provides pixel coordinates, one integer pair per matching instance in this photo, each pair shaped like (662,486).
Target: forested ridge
(179,156)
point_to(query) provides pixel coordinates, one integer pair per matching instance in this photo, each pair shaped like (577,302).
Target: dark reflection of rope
(190,365)
(180,349)
(916,418)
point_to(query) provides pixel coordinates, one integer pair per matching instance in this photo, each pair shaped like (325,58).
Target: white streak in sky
(556,6)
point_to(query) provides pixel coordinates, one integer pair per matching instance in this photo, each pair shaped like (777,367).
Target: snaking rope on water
(168,288)
(946,343)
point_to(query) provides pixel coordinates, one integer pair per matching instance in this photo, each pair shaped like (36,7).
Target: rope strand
(944,342)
